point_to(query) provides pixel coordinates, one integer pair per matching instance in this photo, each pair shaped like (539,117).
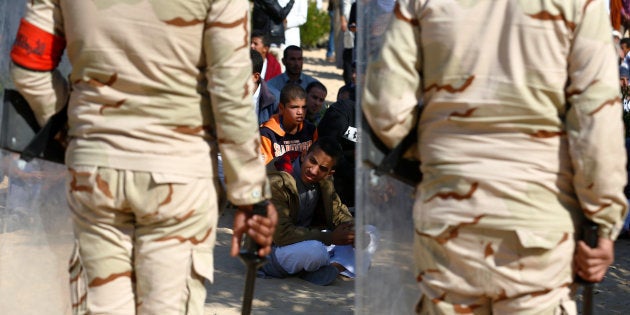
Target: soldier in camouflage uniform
(520,139)
(156,88)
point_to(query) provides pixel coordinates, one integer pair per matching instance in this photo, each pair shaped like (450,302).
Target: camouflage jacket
(155,86)
(521,127)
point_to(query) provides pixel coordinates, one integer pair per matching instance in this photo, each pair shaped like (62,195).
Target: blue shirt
(280,81)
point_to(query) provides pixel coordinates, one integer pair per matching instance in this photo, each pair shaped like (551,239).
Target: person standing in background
(269,17)
(330,48)
(296,17)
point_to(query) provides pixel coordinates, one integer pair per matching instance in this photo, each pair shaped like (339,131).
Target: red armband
(37,49)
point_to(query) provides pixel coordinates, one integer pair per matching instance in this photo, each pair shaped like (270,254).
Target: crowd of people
(623,53)
(305,143)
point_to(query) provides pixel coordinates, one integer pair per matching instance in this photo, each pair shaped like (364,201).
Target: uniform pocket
(78,283)
(202,270)
(540,239)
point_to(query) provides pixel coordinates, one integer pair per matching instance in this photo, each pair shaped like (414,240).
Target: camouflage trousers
(471,270)
(143,241)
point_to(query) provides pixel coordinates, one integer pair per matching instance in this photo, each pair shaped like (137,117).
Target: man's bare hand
(258,228)
(343,234)
(591,264)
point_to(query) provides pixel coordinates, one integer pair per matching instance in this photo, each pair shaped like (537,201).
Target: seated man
(287,130)
(265,99)
(293,62)
(315,97)
(310,214)
(271,67)
(348,91)
(339,122)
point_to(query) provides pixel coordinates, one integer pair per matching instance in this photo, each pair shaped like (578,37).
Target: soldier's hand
(258,228)
(591,264)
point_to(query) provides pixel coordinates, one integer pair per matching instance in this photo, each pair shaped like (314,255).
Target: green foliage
(315,30)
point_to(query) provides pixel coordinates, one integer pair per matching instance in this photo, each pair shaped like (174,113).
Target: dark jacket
(268,16)
(330,211)
(267,103)
(276,142)
(339,122)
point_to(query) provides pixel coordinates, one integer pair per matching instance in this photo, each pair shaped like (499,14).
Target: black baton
(590,237)
(249,256)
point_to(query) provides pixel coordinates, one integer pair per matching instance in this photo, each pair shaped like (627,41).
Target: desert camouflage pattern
(143,241)
(153,82)
(156,89)
(485,271)
(521,127)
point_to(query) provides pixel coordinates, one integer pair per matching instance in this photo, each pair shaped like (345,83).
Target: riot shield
(35,237)
(388,286)
(35,228)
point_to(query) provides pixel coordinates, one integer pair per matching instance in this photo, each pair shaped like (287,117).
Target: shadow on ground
(321,69)
(271,296)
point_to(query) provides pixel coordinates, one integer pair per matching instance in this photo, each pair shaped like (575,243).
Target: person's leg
(176,231)
(302,256)
(330,50)
(101,267)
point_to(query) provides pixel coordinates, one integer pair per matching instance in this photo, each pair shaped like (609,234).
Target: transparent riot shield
(388,286)
(35,228)
(35,237)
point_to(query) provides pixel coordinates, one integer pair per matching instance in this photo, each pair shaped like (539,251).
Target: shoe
(330,59)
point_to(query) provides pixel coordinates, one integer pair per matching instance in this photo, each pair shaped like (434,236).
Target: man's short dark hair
(260,34)
(316,84)
(625,41)
(292,91)
(291,48)
(257,61)
(330,146)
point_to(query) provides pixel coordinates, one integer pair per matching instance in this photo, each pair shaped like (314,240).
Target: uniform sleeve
(393,84)
(226,47)
(36,53)
(594,122)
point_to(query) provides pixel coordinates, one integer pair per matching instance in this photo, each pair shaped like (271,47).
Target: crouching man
(310,214)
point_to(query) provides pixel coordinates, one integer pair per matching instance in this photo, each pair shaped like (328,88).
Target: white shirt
(255,98)
(264,69)
(295,18)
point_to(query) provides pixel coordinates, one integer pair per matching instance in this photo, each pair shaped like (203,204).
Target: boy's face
(316,166)
(315,99)
(293,112)
(257,45)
